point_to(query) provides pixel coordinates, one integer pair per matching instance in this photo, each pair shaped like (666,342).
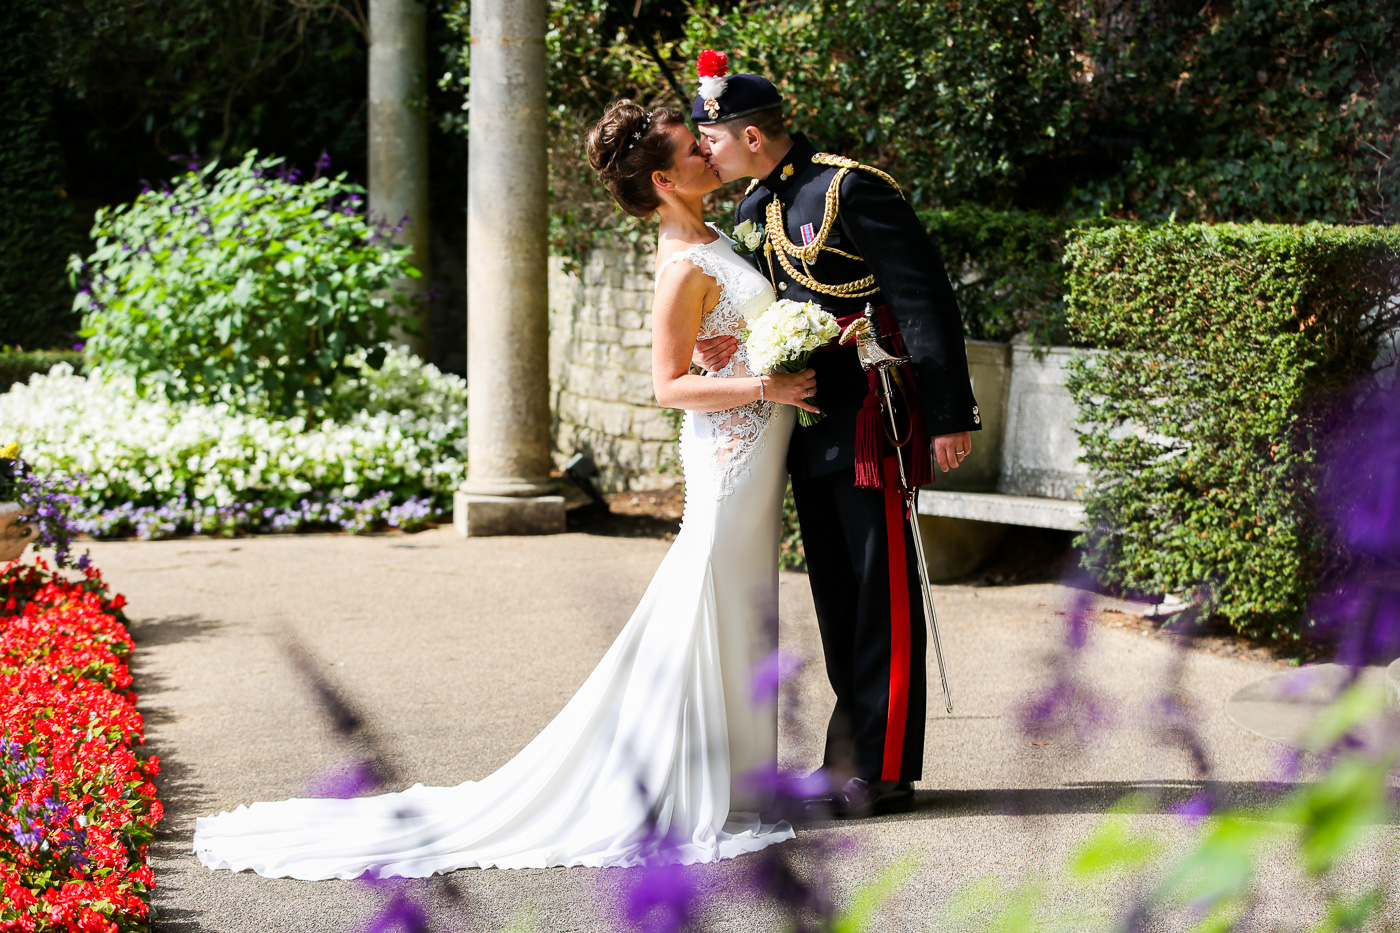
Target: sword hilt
(864,331)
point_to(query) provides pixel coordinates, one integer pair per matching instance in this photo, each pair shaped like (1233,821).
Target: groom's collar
(785,175)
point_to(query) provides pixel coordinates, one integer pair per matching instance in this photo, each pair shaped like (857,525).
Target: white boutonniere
(748,236)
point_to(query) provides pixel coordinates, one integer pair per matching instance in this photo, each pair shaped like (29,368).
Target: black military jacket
(885,239)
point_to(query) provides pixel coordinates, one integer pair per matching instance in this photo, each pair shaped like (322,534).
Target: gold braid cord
(778,241)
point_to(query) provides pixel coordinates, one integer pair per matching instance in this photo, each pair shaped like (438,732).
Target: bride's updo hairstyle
(626,146)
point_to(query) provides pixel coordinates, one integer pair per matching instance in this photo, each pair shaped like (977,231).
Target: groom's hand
(711,353)
(949,450)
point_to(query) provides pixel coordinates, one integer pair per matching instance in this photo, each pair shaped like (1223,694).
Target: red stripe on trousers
(899,624)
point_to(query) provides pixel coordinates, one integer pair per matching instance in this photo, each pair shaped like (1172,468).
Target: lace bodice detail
(717,445)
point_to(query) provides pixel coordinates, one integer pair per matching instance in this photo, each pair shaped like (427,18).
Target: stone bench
(1023,469)
(1003,509)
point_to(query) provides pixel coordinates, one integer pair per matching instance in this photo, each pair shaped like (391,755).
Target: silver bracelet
(760,390)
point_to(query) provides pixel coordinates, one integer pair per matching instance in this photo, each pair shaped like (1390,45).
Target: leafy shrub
(408,440)
(1233,350)
(241,285)
(16,366)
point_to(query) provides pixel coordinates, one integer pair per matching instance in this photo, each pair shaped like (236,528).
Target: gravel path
(459,651)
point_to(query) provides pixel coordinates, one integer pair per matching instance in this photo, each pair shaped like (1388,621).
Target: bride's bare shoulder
(678,266)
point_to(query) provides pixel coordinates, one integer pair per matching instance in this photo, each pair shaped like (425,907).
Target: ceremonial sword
(866,334)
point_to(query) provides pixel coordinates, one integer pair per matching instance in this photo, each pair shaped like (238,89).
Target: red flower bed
(77,807)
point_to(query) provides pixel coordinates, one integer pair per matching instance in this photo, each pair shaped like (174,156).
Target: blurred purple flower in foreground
(1362,494)
(1067,705)
(770,673)
(785,785)
(661,898)
(352,781)
(400,914)
(1195,809)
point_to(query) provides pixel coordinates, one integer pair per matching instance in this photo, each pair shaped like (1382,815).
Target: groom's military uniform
(842,235)
(860,550)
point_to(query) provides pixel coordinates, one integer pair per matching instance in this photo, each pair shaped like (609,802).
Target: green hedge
(16,366)
(1231,352)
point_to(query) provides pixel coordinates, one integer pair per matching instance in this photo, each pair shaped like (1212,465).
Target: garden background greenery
(1203,189)
(1009,115)
(1017,127)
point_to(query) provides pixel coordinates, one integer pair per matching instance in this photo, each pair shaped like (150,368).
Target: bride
(662,753)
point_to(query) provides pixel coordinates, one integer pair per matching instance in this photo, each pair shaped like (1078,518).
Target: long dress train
(663,739)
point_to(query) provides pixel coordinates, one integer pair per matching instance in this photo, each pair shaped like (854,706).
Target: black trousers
(874,646)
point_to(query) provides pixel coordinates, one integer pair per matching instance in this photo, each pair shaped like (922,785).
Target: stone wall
(600,371)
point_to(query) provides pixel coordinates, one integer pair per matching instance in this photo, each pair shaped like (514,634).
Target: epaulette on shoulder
(749,190)
(826,158)
(840,161)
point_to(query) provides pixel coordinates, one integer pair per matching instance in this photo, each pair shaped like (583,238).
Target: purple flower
(1195,809)
(400,914)
(788,790)
(1066,706)
(360,777)
(771,672)
(662,898)
(805,901)
(1077,616)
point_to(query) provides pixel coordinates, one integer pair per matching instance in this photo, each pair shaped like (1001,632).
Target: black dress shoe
(859,798)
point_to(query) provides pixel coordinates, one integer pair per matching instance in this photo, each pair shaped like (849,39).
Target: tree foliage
(34,239)
(1010,122)
(217,75)
(596,51)
(1279,110)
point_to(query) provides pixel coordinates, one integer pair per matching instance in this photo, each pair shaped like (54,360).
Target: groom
(841,234)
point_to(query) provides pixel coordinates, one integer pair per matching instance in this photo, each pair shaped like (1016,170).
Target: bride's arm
(682,295)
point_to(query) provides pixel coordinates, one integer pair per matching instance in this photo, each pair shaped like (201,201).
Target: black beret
(743,95)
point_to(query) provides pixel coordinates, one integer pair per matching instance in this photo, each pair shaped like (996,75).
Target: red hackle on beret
(713,64)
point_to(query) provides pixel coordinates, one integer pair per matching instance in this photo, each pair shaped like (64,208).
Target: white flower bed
(402,429)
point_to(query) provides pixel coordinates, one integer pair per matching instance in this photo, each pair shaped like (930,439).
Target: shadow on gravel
(643,514)
(612,525)
(176,786)
(1089,797)
(153,633)
(177,920)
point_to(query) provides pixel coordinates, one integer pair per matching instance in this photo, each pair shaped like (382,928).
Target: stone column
(398,137)
(508,489)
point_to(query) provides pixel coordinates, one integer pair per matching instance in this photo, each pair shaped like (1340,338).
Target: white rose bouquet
(784,336)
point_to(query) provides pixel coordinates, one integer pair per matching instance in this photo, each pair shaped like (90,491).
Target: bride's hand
(791,388)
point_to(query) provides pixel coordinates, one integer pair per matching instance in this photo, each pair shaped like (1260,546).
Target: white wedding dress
(662,741)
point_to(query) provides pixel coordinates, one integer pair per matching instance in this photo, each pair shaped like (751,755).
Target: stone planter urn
(14,537)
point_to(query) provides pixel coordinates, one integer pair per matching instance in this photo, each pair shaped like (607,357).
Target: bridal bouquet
(785,335)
